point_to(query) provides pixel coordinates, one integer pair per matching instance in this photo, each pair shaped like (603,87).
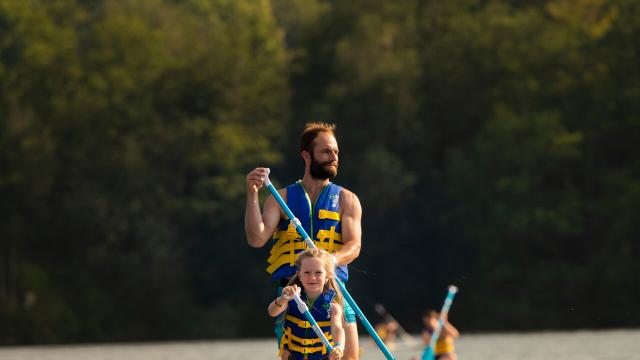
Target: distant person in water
(316,278)
(388,332)
(444,348)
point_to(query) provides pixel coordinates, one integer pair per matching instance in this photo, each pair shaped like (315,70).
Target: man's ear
(306,156)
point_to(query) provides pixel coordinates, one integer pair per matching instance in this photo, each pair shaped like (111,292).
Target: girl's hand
(289,292)
(336,354)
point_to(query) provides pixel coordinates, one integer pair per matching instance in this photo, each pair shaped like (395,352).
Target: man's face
(324,157)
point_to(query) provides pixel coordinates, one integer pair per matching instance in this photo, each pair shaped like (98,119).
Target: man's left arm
(351,219)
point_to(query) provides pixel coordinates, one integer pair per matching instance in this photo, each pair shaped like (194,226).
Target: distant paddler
(389,329)
(439,333)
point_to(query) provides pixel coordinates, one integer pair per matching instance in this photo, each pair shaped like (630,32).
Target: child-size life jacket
(299,337)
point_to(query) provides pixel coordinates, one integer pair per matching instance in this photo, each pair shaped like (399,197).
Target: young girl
(316,278)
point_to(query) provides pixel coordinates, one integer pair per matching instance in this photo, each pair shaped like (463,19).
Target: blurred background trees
(490,142)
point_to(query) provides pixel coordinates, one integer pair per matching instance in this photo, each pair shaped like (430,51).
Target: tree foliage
(490,142)
(127,130)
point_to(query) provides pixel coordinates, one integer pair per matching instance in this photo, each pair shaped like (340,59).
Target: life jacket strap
(305,324)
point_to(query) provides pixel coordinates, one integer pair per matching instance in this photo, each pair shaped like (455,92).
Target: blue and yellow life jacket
(299,337)
(321,221)
(444,345)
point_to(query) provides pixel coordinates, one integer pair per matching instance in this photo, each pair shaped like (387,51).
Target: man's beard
(322,171)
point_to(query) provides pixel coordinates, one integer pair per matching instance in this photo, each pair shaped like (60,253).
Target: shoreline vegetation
(492,145)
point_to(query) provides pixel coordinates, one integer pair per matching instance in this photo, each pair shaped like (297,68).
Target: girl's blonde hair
(327,264)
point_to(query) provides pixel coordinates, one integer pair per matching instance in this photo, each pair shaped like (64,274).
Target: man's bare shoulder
(271,204)
(348,198)
(282,192)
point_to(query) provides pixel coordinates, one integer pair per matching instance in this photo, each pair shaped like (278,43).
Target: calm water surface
(579,345)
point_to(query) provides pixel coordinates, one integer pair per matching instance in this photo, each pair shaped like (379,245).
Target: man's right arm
(259,227)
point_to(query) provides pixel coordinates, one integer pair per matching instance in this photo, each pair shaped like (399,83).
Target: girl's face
(312,275)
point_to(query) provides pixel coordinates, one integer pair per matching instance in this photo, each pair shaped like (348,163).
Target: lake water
(578,345)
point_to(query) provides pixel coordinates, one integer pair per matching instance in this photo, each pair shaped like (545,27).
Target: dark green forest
(492,145)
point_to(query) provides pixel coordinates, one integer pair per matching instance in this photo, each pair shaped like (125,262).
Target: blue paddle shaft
(343,288)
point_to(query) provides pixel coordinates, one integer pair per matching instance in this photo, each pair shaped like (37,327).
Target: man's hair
(311,130)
